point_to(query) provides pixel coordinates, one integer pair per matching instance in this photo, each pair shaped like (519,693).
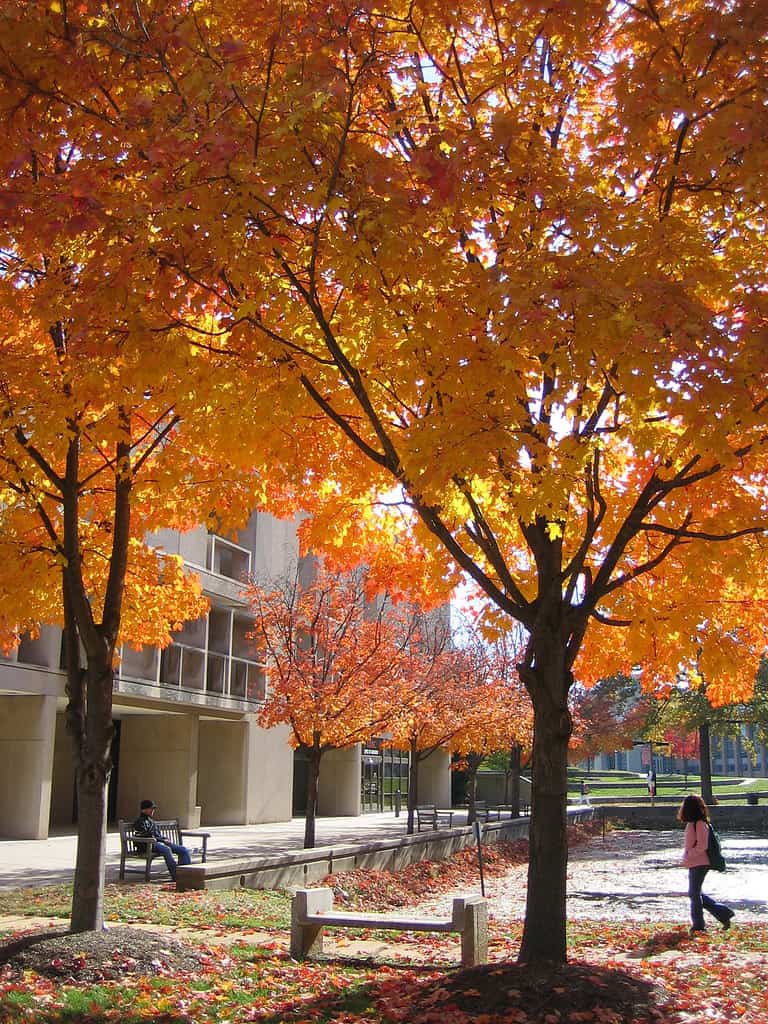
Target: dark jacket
(146,826)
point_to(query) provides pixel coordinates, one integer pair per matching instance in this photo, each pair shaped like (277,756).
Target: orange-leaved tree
(498,716)
(433,696)
(101,405)
(332,651)
(514,258)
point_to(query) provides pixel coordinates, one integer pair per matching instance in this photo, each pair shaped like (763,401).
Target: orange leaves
(332,652)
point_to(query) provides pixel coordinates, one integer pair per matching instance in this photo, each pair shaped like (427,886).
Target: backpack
(715,854)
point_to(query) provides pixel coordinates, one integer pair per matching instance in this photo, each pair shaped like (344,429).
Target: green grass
(237,909)
(619,784)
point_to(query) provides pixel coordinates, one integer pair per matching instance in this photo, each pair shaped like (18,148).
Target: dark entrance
(371,785)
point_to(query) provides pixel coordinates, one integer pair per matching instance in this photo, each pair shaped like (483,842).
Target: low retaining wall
(297,868)
(725,817)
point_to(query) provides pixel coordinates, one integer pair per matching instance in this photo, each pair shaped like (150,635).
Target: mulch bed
(506,992)
(98,956)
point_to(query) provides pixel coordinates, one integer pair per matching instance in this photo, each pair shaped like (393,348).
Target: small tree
(333,657)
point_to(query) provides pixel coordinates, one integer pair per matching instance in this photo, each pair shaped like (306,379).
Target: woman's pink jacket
(695,849)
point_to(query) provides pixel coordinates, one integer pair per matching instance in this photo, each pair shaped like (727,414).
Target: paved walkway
(628,876)
(46,861)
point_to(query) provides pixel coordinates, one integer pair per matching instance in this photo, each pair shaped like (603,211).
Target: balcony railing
(183,667)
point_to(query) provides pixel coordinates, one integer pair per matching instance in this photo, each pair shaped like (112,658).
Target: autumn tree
(101,400)
(609,716)
(498,714)
(433,697)
(332,648)
(504,266)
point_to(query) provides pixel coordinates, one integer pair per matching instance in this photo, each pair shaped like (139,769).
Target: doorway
(371,787)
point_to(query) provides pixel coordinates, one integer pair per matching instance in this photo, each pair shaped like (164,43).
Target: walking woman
(693,813)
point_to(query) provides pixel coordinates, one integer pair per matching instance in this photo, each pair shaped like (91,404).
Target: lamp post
(651,776)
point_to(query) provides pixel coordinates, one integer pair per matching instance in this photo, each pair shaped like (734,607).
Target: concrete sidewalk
(36,862)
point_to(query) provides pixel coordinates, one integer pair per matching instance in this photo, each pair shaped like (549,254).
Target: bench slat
(344,919)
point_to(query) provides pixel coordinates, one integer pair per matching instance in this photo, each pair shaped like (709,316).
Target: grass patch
(152,904)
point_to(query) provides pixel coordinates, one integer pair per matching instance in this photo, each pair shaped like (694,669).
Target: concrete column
(27,731)
(158,760)
(245,774)
(435,779)
(63,792)
(340,780)
(269,773)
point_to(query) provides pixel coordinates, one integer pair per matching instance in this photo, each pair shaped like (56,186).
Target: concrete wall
(246,773)
(340,780)
(435,779)
(725,817)
(158,760)
(490,787)
(296,868)
(27,729)
(269,781)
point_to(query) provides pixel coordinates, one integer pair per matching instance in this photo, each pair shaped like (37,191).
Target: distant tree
(608,716)
(333,651)
(432,699)
(499,715)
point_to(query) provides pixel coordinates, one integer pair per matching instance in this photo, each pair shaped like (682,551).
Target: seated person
(145,826)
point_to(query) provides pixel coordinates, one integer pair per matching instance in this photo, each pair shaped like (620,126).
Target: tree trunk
(512,796)
(705,760)
(413,786)
(93,765)
(88,890)
(473,763)
(548,682)
(314,754)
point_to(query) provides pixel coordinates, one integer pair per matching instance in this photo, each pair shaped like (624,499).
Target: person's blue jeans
(701,902)
(167,851)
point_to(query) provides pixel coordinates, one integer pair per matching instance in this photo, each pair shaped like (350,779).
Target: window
(227,559)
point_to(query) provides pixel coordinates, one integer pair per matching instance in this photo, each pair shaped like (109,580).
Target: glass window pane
(193,670)
(170,666)
(218,631)
(217,673)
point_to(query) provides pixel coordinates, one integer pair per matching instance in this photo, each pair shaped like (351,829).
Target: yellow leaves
(554,531)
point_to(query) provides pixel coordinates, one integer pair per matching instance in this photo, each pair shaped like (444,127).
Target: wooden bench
(428,816)
(141,848)
(482,812)
(497,812)
(312,910)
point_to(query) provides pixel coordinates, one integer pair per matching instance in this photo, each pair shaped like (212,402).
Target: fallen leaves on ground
(621,972)
(687,980)
(374,889)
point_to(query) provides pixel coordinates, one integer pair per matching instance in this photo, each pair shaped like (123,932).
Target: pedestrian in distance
(694,815)
(145,825)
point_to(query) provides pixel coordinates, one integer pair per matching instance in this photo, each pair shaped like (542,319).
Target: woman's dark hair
(693,808)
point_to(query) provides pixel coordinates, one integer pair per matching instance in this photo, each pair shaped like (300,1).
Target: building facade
(186,718)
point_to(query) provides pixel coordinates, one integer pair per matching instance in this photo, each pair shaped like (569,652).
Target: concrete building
(186,718)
